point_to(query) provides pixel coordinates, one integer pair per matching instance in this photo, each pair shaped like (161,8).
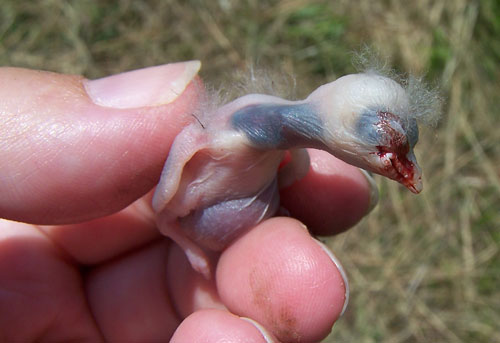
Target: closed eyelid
(366,127)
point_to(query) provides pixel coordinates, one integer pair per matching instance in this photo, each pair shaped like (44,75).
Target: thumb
(73,149)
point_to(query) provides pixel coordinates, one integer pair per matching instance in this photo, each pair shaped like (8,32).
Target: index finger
(332,197)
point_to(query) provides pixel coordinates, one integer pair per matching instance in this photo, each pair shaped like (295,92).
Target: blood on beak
(408,171)
(402,168)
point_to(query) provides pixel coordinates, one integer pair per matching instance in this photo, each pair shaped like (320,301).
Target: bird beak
(415,184)
(403,169)
(410,174)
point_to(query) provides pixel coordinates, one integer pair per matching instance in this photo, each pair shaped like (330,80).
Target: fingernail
(267,336)
(151,86)
(373,190)
(341,271)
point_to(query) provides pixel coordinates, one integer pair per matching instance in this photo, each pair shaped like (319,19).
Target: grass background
(422,268)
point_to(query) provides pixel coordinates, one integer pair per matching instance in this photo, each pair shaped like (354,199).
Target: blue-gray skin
(221,177)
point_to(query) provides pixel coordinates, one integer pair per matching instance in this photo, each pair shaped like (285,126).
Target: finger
(219,326)
(332,197)
(190,291)
(102,239)
(128,297)
(41,293)
(73,149)
(279,276)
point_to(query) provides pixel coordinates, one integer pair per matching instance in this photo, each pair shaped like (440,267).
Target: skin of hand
(80,255)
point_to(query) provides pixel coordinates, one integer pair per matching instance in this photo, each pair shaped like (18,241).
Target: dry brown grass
(422,268)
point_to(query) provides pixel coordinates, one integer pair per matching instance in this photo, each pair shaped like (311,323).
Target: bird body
(223,175)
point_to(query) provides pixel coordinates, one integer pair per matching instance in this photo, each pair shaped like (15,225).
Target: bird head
(368,123)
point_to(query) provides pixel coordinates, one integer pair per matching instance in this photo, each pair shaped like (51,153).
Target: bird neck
(280,126)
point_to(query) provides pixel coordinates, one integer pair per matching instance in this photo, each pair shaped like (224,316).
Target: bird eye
(387,130)
(393,132)
(366,128)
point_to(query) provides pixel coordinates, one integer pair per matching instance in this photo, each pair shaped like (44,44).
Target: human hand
(80,256)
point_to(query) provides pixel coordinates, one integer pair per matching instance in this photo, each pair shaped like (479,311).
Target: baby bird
(222,176)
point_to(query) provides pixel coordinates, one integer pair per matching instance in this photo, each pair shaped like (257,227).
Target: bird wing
(187,144)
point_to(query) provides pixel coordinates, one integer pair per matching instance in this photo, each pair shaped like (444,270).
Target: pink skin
(66,160)
(316,188)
